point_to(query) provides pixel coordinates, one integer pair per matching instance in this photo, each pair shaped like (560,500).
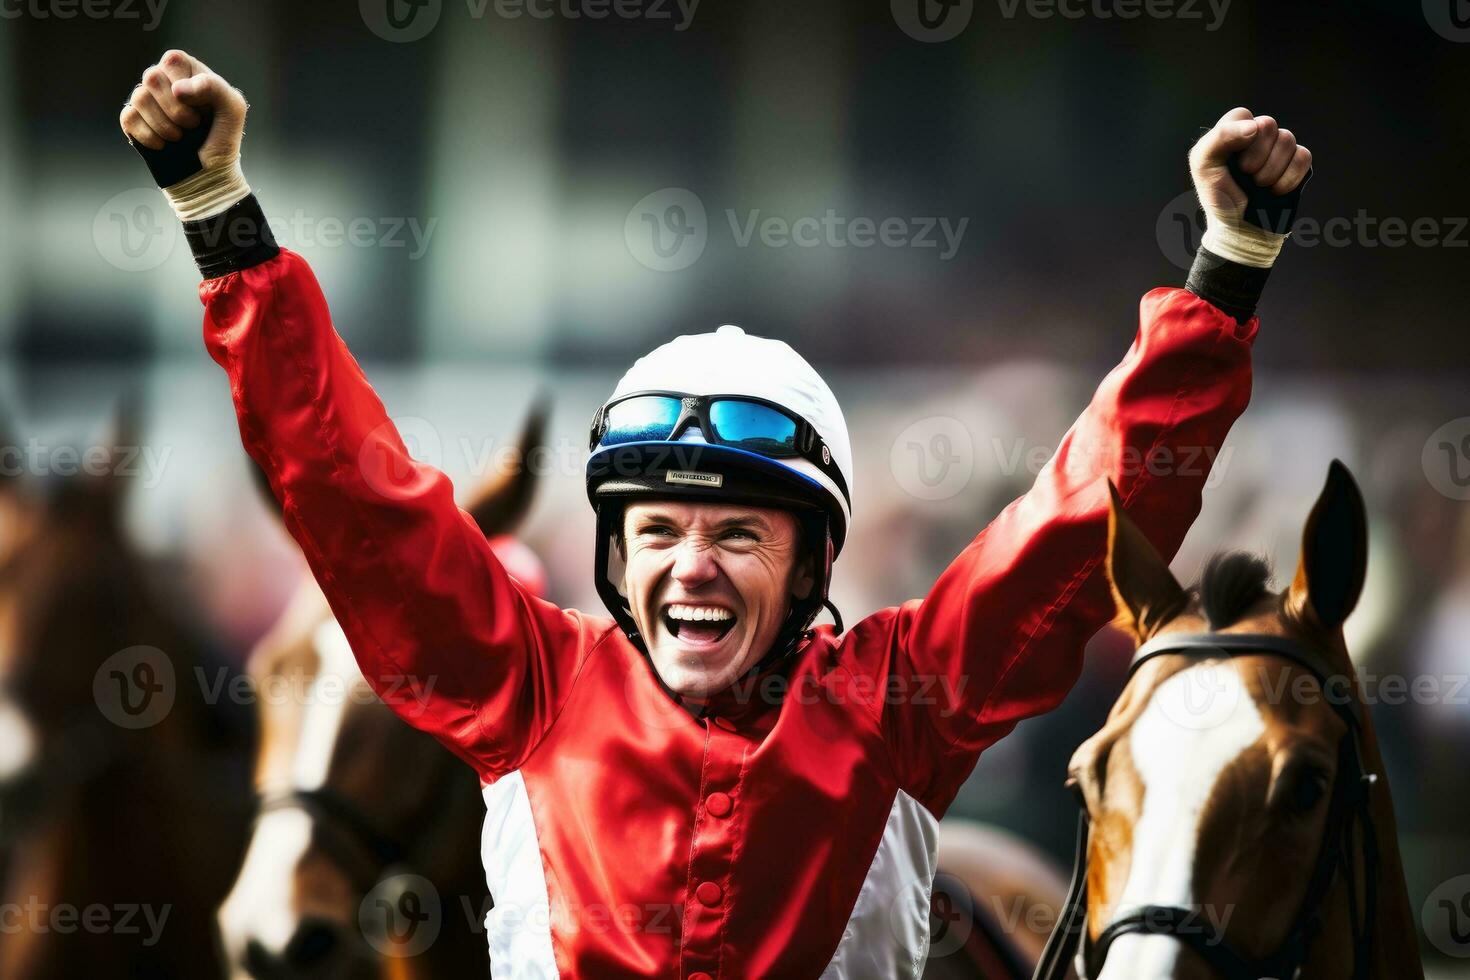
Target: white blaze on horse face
(327,701)
(17,740)
(1197,722)
(261,906)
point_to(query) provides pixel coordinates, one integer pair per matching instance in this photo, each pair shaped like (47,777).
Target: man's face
(710,586)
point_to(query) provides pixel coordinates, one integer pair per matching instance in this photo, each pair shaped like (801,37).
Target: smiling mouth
(699,625)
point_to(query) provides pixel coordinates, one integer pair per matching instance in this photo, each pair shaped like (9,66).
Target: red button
(708,893)
(700,976)
(718,805)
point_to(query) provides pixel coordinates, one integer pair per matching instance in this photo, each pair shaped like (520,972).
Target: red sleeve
(1000,636)
(440,630)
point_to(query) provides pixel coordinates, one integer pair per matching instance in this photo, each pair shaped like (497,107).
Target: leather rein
(1348,807)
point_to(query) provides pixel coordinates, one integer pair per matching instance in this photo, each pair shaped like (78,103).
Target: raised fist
(1269,155)
(176,95)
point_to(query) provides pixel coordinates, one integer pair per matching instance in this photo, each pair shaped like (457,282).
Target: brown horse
(994,900)
(123,795)
(1237,827)
(363,861)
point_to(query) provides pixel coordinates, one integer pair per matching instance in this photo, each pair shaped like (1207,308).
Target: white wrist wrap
(209,192)
(1242,243)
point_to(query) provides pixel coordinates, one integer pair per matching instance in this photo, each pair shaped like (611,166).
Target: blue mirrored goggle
(743,422)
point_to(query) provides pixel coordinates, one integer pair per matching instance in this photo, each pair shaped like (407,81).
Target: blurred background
(504,199)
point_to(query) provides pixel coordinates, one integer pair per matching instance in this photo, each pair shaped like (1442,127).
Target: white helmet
(724,416)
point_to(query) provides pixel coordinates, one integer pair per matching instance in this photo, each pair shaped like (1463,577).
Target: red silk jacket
(791,833)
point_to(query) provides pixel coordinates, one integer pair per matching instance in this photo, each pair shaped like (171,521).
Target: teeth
(699,614)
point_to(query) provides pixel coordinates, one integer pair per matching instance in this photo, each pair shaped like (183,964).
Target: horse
(992,903)
(362,858)
(124,796)
(1236,819)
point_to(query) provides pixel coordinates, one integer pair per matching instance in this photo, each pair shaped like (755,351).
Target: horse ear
(1146,592)
(262,485)
(10,474)
(121,441)
(1334,560)
(502,501)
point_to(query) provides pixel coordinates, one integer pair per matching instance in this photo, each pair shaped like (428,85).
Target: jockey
(707,785)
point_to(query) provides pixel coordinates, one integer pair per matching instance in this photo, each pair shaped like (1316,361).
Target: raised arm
(1000,636)
(440,630)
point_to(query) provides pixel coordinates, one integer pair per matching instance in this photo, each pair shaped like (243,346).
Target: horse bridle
(342,820)
(1349,805)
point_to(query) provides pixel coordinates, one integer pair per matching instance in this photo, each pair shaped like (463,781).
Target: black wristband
(1229,286)
(237,239)
(178,160)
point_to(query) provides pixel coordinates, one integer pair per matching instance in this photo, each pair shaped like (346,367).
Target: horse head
(1240,821)
(364,822)
(88,758)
